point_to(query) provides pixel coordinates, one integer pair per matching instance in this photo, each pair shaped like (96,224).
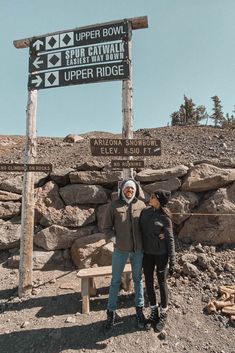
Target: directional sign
(17,167)
(81,37)
(125,147)
(84,74)
(125,163)
(108,52)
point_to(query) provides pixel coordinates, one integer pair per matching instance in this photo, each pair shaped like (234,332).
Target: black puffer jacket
(154,222)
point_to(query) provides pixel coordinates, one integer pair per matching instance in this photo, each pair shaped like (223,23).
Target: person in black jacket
(159,251)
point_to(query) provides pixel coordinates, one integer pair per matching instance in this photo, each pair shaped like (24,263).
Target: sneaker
(110,319)
(140,318)
(161,322)
(153,318)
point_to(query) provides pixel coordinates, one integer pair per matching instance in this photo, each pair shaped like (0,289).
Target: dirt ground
(50,320)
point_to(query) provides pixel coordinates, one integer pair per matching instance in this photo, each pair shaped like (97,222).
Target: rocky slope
(180,145)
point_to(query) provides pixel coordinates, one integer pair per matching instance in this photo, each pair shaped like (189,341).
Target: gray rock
(9,196)
(170,185)
(211,229)
(95,177)
(9,209)
(9,235)
(190,270)
(83,194)
(206,177)
(57,237)
(149,175)
(70,216)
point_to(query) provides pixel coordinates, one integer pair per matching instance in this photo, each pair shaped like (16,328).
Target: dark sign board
(80,37)
(89,55)
(125,163)
(83,74)
(125,147)
(15,167)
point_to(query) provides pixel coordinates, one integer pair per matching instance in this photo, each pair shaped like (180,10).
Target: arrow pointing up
(37,81)
(37,44)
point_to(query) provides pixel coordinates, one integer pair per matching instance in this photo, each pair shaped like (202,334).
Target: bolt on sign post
(89,54)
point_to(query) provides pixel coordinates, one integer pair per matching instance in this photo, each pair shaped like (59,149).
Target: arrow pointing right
(37,81)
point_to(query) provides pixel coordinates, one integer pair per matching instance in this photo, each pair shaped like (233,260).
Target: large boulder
(85,251)
(70,216)
(61,176)
(9,235)
(9,209)
(57,237)
(100,215)
(206,177)
(212,229)
(14,185)
(170,185)
(9,196)
(150,175)
(95,177)
(83,194)
(181,205)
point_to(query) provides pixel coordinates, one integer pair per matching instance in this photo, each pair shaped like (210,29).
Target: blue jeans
(119,260)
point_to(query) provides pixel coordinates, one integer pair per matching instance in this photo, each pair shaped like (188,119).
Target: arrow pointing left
(37,62)
(37,81)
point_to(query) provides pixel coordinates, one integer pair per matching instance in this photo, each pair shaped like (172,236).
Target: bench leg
(92,287)
(85,296)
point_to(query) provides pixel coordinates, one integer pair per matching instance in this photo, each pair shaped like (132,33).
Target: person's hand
(113,240)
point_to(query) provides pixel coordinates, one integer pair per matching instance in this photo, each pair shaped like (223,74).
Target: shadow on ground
(92,336)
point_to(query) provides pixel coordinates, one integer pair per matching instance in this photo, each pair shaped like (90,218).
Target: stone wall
(70,206)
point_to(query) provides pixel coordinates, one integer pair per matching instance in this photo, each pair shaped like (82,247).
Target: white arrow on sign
(37,44)
(38,80)
(156,149)
(37,62)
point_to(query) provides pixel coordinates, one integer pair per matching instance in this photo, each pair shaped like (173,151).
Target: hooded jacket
(122,222)
(154,222)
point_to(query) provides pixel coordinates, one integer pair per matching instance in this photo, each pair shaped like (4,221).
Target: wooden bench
(87,276)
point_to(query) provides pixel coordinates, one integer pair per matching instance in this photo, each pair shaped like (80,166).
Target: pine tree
(218,115)
(175,119)
(190,112)
(201,113)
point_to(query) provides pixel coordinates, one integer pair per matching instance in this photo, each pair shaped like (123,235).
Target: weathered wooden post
(127,114)
(27,213)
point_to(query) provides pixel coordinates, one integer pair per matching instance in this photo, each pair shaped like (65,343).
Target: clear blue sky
(189,48)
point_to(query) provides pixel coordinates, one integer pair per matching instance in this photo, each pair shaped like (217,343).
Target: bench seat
(87,276)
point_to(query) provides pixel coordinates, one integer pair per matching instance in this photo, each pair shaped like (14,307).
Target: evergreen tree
(175,119)
(190,111)
(218,115)
(201,113)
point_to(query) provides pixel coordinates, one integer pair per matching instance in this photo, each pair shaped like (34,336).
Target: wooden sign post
(127,114)
(27,213)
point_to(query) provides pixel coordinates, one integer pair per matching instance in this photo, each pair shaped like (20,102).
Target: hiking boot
(140,318)
(110,319)
(153,318)
(161,322)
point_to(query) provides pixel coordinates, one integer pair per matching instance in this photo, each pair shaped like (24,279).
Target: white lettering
(80,74)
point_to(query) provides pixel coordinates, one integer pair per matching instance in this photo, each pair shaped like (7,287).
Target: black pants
(150,262)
